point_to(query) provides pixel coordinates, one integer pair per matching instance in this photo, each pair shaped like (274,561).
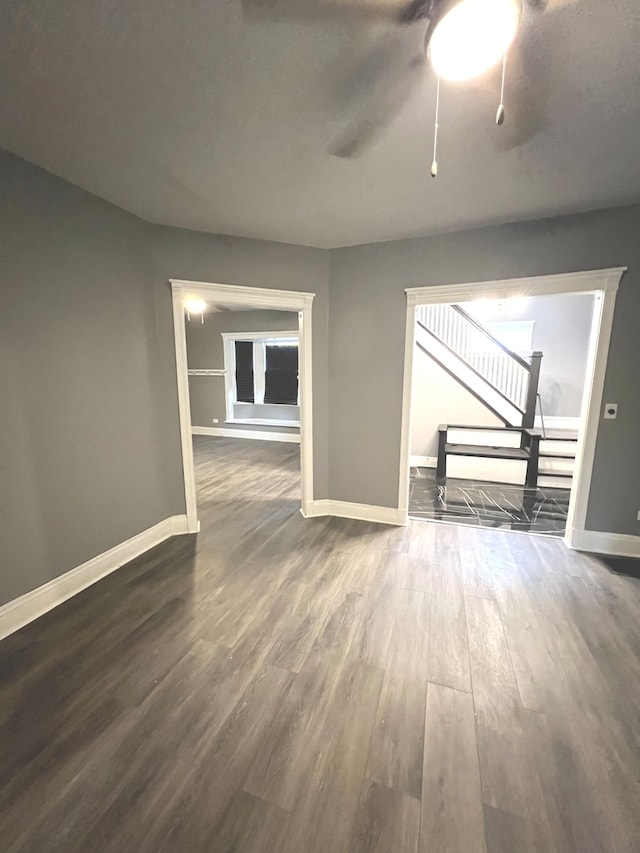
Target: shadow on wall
(550,394)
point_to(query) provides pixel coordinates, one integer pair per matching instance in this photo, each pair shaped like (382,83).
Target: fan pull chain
(500,113)
(201,316)
(434,165)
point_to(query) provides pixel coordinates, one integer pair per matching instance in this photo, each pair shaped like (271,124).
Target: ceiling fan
(459,39)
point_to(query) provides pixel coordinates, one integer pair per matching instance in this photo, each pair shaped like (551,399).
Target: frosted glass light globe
(473,36)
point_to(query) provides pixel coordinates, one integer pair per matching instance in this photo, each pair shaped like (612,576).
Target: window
(262,377)
(281,374)
(244,372)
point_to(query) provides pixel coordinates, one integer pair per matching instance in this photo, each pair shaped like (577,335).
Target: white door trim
(590,281)
(184,408)
(260,336)
(256,297)
(604,285)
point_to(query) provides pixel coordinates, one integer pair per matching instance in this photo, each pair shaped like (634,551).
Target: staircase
(506,383)
(557,458)
(528,451)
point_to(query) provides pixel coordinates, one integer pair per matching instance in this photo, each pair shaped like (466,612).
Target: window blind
(244,371)
(281,375)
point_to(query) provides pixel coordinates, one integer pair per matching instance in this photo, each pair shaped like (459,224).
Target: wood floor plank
(415,573)
(496,699)
(325,810)
(221,760)
(416,560)
(395,756)
(510,780)
(285,758)
(534,667)
(248,825)
(505,832)
(387,820)
(381,590)
(158,801)
(452,810)
(477,578)
(448,651)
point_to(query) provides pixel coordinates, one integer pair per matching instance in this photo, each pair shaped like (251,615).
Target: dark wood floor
(291,686)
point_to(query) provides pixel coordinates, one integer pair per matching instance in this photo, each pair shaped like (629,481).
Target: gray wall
(205,350)
(366,345)
(561,332)
(82,459)
(89,435)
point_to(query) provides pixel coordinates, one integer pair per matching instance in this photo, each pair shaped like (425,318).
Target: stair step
(556,454)
(482,428)
(486,452)
(564,474)
(558,437)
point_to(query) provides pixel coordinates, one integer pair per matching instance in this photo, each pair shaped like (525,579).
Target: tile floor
(493,505)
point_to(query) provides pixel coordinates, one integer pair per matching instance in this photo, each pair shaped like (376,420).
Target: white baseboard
(423,461)
(260,435)
(557,423)
(615,544)
(359,512)
(19,612)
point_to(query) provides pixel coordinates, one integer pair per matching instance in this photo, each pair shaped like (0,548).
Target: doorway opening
(503,391)
(243,361)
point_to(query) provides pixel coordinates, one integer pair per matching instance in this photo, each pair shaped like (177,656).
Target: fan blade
(527,92)
(362,131)
(395,10)
(550,5)
(372,95)
(529,77)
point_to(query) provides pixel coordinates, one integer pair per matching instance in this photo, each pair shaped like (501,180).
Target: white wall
(561,332)
(438,398)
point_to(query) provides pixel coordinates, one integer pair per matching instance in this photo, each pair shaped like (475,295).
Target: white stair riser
(550,482)
(558,446)
(488,437)
(501,471)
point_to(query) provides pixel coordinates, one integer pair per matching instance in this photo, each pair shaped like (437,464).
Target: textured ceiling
(185,113)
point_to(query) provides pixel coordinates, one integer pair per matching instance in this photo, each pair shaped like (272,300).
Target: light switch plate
(610,411)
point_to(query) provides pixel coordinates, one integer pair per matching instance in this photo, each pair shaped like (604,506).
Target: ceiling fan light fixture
(193,305)
(472,36)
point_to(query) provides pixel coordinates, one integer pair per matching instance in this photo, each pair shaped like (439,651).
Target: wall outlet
(610,411)
(216,421)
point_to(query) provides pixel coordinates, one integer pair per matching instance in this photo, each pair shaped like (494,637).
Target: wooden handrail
(513,377)
(514,355)
(469,366)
